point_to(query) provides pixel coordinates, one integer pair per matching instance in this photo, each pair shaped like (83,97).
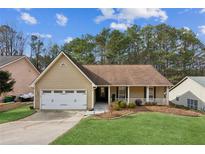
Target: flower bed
(155,108)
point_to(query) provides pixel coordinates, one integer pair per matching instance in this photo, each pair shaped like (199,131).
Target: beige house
(65,84)
(189,92)
(23,72)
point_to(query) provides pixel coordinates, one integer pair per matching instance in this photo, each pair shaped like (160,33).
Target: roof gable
(55,60)
(8,60)
(197,79)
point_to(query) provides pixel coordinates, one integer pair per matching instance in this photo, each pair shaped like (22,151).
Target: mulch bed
(155,108)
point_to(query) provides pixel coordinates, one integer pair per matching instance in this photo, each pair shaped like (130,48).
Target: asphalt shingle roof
(7,59)
(198,79)
(137,75)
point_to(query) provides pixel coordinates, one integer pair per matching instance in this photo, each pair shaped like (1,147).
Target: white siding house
(189,92)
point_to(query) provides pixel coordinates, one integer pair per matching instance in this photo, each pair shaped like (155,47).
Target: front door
(102,94)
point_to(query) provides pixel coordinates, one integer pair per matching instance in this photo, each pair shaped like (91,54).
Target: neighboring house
(189,92)
(23,72)
(65,84)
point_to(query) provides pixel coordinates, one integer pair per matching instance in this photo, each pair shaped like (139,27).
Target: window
(81,91)
(69,91)
(121,92)
(46,91)
(192,104)
(151,92)
(102,92)
(58,91)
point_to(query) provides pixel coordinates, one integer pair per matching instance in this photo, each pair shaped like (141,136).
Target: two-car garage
(63,99)
(63,86)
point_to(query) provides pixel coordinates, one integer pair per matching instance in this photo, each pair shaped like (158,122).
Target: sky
(63,25)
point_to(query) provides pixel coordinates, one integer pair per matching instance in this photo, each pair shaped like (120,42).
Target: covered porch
(129,94)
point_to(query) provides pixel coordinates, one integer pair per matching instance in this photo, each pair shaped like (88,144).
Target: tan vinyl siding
(113,91)
(136,92)
(160,92)
(63,75)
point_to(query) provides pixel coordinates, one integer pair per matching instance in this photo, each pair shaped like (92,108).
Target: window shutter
(145,92)
(117,92)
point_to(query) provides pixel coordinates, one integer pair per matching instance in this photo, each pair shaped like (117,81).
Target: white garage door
(63,99)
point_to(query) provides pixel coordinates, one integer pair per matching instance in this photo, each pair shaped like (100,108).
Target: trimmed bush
(116,106)
(138,102)
(131,105)
(8,99)
(122,104)
(31,107)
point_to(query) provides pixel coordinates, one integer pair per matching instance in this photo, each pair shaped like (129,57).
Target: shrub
(132,105)
(115,106)
(122,104)
(8,99)
(6,82)
(138,102)
(31,107)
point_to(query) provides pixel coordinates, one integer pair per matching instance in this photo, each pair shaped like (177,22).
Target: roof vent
(62,64)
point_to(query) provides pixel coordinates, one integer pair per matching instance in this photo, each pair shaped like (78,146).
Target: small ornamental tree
(6,82)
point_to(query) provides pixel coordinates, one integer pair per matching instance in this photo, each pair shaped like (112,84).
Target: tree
(37,48)
(135,44)
(11,41)
(117,48)
(6,82)
(175,53)
(101,42)
(81,49)
(54,51)
(49,54)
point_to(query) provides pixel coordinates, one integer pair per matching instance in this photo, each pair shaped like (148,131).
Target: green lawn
(15,114)
(142,128)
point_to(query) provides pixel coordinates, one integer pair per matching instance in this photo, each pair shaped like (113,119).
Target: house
(189,92)
(23,72)
(65,84)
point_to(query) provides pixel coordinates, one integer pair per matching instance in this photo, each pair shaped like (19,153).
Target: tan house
(65,84)
(23,72)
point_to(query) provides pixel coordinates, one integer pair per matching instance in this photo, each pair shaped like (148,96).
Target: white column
(109,95)
(92,95)
(167,95)
(128,95)
(147,94)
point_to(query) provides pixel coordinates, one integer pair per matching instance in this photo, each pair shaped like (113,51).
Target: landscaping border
(10,106)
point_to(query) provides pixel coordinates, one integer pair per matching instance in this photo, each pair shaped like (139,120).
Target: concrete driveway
(39,128)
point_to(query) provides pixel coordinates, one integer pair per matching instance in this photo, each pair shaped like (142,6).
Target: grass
(15,114)
(141,128)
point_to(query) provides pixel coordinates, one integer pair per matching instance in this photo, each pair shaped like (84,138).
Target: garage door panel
(68,99)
